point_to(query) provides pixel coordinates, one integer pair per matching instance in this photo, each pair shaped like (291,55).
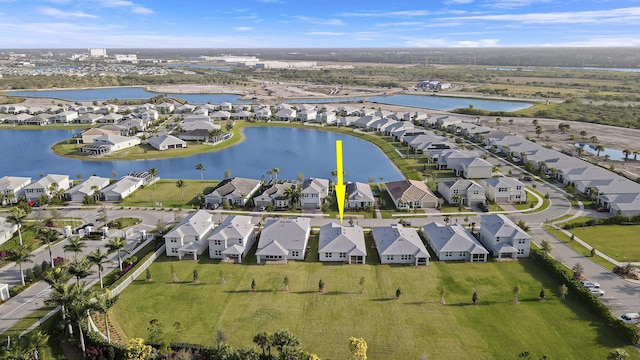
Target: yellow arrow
(340,187)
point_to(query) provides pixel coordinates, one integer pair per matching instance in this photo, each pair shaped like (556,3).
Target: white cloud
(328,22)
(141,10)
(443,42)
(57,13)
(133,7)
(405,13)
(618,16)
(511,4)
(242,28)
(326,33)
(457,2)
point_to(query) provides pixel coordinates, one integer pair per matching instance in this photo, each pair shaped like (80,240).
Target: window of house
(463,253)
(455,191)
(389,257)
(405,257)
(448,254)
(343,255)
(518,187)
(476,192)
(502,189)
(328,255)
(522,241)
(497,239)
(520,251)
(295,253)
(218,252)
(217,242)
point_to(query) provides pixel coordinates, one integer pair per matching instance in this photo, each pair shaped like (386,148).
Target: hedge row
(629,331)
(614,220)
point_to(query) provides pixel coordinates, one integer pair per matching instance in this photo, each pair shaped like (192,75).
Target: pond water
(615,155)
(443,103)
(307,151)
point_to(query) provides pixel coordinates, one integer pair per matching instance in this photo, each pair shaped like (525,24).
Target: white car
(596,291)
(590,284)
(633,318)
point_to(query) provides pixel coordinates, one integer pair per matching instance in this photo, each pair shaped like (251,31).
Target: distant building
(132,58)
(98,52)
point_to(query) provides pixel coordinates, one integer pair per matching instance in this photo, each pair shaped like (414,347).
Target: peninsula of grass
(411,327)
(167,193)
(621,242)
(579,248)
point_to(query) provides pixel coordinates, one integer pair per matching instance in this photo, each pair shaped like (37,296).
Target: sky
(318,23)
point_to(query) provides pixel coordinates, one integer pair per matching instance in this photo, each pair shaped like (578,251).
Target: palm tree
(78,310)
(80,268)
(20,254)
(55,276)
(200,167)
(62,294)
(50,236)
(37,339)
(102,305)
(599,148)
(583,134)
(580,150)
(293,193)
(180,184)
(118,245)
(154,173)
(17,217)
(99,258)
(276,171)
(626,153)
(75,245)
(264,341)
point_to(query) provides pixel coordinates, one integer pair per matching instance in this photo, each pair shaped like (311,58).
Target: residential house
(89,187)
(232,239)
(263,113)
(165,108)
(454,242)
(166,142)
(17,119)
(220,115)
(195,118)
(237,191)
(11,187)
(467,192)
(340,243)
(474,168)
(226,106)
(411,194)
(65,117)
(190,236)
(39,120)
(286,115)
(111,118)
(243,115)
(134,125)
(275,193)
(89,135)
(283,239)
(185,109)
(48,185)
(502,237)
(327,117)
(307,115)
(122,188)
(313,193)
(359,196)
(504,190)
(107,143)
(88,118)
(7,230)
(397,244)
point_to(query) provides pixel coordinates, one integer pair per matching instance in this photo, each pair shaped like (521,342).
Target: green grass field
(621,242)
(414,326)
(166,192)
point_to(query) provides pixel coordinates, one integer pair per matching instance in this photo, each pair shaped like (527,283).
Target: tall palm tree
(99,258)
(75,246)
(180,184)
(276,171)
(62,294)
(80,268)
(17,217)
(118,245)
(37,340)
(20,254)
(626,153)
(102,305)
(200,167)
(55,276)
(293,193)
(154,172)
(79,308)
(50,236)
(599,148)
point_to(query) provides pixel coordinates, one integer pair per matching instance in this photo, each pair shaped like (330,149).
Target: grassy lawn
(409,328)
(617,241)
(579,248)
(166,192)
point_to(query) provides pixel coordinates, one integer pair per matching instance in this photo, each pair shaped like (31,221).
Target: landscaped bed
(413,326)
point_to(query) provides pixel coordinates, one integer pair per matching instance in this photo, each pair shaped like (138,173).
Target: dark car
(527,178)
(602,209)
(484,207)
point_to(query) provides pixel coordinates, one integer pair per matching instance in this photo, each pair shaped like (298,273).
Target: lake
(307,151)
(440,102)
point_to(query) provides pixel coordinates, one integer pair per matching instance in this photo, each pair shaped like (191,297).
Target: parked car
(633,318)
(263,208)
(484,207)
(596,291)
(527,178)
(602,209)
(590,284)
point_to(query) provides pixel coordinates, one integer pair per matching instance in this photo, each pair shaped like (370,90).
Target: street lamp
(38,314)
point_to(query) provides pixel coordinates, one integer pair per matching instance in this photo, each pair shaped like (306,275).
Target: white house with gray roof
(11,187)
(502,237)
(44,186)
(235,190)
(470,192)
(358,196)
(166,142)
(122,188)
(504,190)
(397,244)
(7,230)
(232,239)
(88,187)
(340,243)
(283,239)
(313,192)
(189,237)
(454,242)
